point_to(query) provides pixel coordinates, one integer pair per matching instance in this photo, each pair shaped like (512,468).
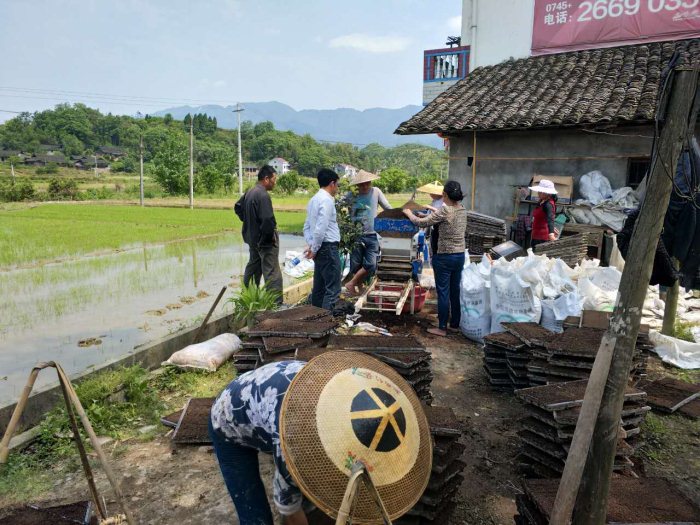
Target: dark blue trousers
(326,289)
(240,469)
(448,274)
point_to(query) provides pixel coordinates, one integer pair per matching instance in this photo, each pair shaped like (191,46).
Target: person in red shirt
(543,215)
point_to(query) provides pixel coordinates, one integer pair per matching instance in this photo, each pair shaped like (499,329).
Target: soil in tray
(373,342)
(70,514)
(292,328)
(171,420)
(298,313)
(531,334)
(397,213)
(504,340)
(642,500)
(568,393)
(692,409)
(402,359)
(193,427)
(274,345)
(666,393)
(583,342)
(441,417)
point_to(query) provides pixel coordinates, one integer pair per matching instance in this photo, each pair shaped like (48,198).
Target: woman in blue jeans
(450,225)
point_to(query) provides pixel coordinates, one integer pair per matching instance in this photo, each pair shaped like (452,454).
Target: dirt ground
(183,485)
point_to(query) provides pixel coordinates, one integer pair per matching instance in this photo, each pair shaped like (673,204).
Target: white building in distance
(280,165)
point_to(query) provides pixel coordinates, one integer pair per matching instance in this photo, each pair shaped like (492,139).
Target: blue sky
(305,53)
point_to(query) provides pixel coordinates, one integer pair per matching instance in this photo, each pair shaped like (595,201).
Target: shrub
(16,191)
(289,182)
(62,189)
(393,180)
(50,168)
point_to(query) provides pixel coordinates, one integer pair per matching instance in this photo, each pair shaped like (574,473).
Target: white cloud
(454,24)
(371,44)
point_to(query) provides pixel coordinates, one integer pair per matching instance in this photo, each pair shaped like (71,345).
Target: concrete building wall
(433,89)
(507,159)
(503,30)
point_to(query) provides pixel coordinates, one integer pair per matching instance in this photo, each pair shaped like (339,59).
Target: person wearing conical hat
(317,420)
(363,209)
(434,189)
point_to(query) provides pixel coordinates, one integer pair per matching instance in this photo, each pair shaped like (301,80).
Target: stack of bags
(437,503)
(552,413)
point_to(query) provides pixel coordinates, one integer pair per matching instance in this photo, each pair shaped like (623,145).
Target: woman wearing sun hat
(448,260)
(543,215)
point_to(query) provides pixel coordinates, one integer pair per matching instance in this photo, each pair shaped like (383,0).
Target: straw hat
(363,176)
(544,186)
(346,406)
(433,188)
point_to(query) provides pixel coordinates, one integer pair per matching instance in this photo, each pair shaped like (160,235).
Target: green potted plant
(252,299)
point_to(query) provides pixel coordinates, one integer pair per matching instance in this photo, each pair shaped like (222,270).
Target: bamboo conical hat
(363,176)
(347,406)
(433,188)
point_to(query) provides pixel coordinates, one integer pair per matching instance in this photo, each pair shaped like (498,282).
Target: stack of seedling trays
(277,335)
(503,351)
(406,355)
(572,249)
(571,355)
(437,502)
(631,501)
(601,321)
(525,367)
(548,428)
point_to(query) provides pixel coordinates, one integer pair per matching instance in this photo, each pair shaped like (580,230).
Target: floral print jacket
(247,412)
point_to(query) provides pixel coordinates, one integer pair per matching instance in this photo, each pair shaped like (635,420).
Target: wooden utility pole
(191,162)
(12,169)
(671,307)
(237,111)
(141,170)
(586,477)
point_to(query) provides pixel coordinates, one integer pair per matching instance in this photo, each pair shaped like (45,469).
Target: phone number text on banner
(587,24)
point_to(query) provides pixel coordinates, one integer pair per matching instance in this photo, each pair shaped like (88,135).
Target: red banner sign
(587,24)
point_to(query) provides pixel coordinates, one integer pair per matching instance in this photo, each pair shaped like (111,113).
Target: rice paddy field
(83,284)
(42,233)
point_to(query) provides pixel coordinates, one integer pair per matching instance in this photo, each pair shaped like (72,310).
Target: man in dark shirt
(260,232)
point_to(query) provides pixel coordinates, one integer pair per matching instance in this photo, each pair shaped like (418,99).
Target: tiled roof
(601,86)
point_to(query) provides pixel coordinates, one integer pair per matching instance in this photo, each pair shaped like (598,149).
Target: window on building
(637,168)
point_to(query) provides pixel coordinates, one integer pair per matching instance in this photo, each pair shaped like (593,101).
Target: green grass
(118,403)
(51,231)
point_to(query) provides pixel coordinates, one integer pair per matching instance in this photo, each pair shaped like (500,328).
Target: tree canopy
(79,130)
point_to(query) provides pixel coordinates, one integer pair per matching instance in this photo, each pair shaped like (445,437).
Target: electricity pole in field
(191,163)
(95,157)
(237,111)
(141,172)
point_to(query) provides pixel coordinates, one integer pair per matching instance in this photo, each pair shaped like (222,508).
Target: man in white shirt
(322,236)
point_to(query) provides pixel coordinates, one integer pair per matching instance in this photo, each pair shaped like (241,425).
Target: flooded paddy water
(89,310)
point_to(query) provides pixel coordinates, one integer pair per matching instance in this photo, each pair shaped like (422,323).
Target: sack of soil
(209,355)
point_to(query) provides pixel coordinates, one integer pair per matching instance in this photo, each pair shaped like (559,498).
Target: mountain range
(335,125)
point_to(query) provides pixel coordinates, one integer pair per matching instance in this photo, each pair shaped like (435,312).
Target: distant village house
(280,165)
(345,170)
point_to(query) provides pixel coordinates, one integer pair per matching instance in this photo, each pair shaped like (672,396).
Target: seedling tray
(668,394)
(80,512)
(297,313)
(292,328)
(504,340)
(276,345)
(171,420)
(631,501)
(442,421)
(532,334)
(373,343)
(193,427)
(565,395)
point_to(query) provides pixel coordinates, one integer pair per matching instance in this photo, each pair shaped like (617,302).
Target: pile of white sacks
(533,288)
(546,291)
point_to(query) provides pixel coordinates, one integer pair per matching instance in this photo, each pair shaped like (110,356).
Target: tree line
(80,130)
